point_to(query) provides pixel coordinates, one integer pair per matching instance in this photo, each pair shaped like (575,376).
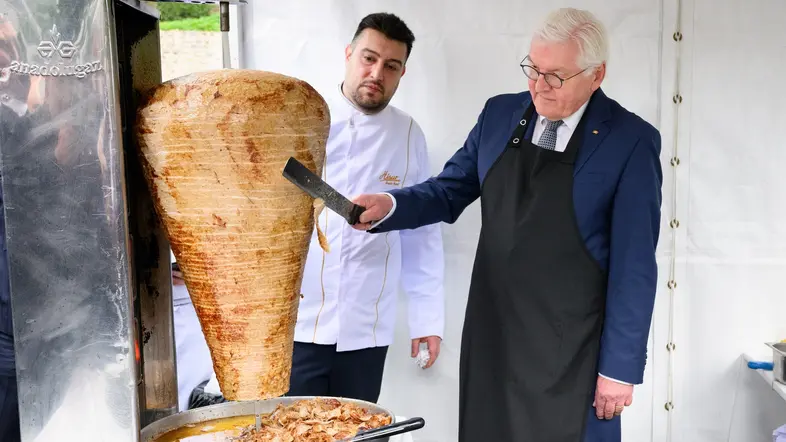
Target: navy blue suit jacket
(617,199)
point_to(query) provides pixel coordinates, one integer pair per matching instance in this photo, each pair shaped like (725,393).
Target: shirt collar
(344,99)
(340,106)
(572,120)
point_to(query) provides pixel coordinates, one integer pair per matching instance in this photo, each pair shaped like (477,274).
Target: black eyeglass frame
(546,75)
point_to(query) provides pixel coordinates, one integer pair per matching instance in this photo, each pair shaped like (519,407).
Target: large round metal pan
(229,410)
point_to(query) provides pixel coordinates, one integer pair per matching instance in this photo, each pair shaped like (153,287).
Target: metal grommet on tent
(516,141)
(523,122)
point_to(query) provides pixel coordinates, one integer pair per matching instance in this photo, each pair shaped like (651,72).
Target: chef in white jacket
(348,305)
(347,309)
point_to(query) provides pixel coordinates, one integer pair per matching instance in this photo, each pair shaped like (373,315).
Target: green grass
(209,23)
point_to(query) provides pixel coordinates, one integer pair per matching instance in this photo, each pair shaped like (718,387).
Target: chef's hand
(377,207)
(611,398)
(433,343)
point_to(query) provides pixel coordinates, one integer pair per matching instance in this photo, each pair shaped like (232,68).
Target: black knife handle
(354,214)
(390,430)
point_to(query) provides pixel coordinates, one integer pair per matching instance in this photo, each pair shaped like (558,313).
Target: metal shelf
(768,377)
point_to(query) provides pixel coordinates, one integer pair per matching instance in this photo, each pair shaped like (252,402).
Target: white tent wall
(731,241)
(731,245)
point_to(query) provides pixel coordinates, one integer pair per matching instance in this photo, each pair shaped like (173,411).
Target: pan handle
(406,426)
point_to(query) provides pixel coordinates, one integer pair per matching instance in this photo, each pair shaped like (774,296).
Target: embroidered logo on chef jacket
(391,180)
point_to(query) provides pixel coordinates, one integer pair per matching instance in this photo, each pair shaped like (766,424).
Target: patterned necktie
(548,140)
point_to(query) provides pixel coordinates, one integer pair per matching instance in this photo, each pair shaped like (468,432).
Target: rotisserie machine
(89,263)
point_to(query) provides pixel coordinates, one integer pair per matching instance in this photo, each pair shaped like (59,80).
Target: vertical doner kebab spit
(213,146)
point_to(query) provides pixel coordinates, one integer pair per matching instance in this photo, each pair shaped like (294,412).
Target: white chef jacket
(349,294)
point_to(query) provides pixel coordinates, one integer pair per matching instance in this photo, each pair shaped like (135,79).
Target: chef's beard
(367,104)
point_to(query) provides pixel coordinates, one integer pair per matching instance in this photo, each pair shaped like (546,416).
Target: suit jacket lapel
(596,129)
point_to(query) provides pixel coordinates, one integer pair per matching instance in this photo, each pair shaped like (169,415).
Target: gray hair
(581,26)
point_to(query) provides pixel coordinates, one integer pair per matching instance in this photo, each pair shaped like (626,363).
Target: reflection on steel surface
(65,205)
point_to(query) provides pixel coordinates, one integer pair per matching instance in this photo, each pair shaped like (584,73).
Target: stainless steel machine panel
(65,210)
(139,69)
(88,259)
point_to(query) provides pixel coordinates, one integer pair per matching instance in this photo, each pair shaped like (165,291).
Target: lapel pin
(595,132)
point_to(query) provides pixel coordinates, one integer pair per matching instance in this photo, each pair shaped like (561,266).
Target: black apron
(532,329)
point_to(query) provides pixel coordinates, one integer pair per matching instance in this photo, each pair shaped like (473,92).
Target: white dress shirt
(349,295)
(564,133)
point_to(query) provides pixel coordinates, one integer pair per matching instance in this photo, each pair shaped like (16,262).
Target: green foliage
(209,23)
(180,11)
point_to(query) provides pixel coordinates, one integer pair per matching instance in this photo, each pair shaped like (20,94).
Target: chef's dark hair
(390,26)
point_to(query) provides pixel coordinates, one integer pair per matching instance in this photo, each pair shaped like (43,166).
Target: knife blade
(316,187)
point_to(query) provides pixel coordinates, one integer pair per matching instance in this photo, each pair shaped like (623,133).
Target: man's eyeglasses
(553,80)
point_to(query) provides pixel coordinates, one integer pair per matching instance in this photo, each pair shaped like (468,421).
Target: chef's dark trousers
(320,370)
(9,410)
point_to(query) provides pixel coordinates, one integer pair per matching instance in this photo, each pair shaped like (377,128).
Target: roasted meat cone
(213,148)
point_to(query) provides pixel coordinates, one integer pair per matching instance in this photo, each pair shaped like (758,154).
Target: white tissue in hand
(423,357)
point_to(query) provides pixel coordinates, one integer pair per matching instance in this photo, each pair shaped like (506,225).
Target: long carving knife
(313,185)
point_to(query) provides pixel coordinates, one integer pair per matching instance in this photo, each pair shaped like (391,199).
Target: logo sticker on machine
(58,54)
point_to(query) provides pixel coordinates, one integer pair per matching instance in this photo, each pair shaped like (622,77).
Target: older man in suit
(562,292)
